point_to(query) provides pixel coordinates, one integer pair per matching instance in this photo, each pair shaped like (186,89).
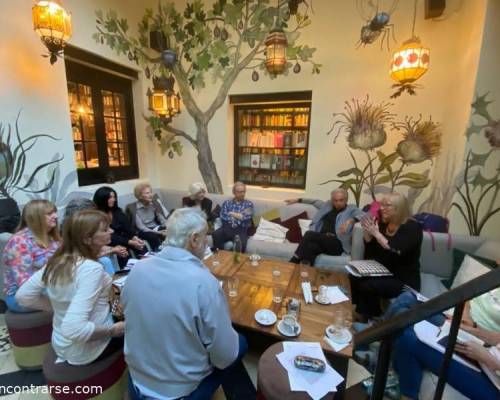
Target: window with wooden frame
(102,119)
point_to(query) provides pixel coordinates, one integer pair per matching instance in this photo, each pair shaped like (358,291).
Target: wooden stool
(108,375)
(272,379)
(30,334)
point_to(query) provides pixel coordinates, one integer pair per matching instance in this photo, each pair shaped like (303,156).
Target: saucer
(318,300)
(265,317)
(344,338)
(287,333)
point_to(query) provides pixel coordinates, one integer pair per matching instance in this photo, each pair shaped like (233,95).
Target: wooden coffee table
(256,291)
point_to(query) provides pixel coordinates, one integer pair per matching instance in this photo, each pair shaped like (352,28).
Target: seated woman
(30,248)
(197,198)
(148,217)
(395,243)
(482,319)
(108,255)
(77,288)
(106,200)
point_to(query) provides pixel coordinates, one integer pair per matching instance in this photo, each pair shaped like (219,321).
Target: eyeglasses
(386,205)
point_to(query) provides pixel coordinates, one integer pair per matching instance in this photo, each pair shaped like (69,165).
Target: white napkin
(335,295)
(335,346)
(306,290)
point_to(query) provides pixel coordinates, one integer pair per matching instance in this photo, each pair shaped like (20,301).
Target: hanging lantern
(162,99)
(276,46)
(410,62)
(53,25)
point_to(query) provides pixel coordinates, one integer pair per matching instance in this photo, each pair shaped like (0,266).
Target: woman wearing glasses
(395,242)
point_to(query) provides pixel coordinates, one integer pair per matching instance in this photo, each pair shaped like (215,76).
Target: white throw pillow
(304,225)
(270,232)
(470,269)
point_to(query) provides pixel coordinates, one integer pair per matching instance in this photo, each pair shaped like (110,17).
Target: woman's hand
(120,251)
(136,243)
(476,352)
(370,226)
(117,329)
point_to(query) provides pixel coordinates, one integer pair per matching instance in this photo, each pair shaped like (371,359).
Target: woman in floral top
(30,248)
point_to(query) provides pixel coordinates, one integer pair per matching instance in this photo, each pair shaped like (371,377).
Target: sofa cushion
(304,226)
(431,285)
(470,269)
(458,258)
(489,249)
(292,224)
(270,232)
(270,215)
(283,251)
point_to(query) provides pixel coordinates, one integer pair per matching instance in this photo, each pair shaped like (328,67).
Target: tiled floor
(7,365)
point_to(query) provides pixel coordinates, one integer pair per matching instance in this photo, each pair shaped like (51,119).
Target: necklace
(390,231)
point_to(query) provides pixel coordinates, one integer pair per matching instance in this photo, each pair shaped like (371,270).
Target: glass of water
(304,269)
(232,287)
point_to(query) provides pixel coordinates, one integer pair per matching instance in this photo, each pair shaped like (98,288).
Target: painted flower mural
(367,126)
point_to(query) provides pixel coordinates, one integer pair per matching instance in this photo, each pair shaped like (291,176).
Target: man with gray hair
(331,228)
(179,341)
(236,215)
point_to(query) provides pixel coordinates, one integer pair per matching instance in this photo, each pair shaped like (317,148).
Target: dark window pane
(124,155)
(113,155)
(91,153)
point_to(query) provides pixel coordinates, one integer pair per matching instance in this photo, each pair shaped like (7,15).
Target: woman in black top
(105,199)
(196,198)
(395,242)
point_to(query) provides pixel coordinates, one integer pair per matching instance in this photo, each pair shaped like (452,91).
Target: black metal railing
(387,331)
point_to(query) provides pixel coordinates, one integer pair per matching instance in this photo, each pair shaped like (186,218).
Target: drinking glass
(278,291)
(215,258)
(232,287)
(254,258)
(338,322)
(304,269)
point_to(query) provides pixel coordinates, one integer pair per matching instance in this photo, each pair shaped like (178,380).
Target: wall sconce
(162,99)
(53,25)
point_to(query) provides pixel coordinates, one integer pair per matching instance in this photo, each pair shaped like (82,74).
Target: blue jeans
(209,384)
(14,306)
(412,357)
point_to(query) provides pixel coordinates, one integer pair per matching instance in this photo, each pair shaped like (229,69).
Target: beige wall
(31,83)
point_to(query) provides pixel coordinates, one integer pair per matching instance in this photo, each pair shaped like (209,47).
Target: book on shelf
(299,139)
(255,160)
(278,139)
(265,161)
(287,139)
(365,268)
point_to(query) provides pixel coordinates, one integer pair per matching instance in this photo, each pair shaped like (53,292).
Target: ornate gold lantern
(53,25)
(162,99)
(276,45)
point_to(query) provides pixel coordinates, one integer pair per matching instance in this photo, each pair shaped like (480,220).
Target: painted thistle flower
(492,132)
(422,140)
(364,123)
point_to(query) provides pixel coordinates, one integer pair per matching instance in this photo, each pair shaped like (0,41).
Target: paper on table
(335,346)
(335,295)
(306,290)
(430,335)
(316,385)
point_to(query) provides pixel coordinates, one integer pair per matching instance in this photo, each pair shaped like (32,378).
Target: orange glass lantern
(53,25)
(276,46)
(410,61)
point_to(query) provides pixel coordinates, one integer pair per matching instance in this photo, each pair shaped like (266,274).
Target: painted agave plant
(14,176)
(422,140)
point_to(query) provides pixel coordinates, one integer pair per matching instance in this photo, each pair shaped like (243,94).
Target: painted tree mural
(367,125)
(217,42)
(478,186)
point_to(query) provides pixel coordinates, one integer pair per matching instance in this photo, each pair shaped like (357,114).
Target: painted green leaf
(479,159)
(306,52)
(232,13)
(350,171)
(96,36)
(203,61)
(414,176)
(382,179)
(388,160)
(414,184)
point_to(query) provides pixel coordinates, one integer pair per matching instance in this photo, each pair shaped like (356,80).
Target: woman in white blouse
(77,287)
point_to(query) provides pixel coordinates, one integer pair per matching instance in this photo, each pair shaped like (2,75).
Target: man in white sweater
(179,341)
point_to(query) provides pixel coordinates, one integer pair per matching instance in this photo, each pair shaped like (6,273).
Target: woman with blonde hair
(394,242)
(78,288)
(29,249)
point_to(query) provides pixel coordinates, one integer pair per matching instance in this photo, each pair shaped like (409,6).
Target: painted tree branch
(181,133)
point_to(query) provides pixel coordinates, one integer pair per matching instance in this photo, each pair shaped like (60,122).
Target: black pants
(367,293)
(315,243)
(227,233)
(154,239)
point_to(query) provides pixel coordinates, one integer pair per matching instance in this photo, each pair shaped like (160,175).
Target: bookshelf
(271,144)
